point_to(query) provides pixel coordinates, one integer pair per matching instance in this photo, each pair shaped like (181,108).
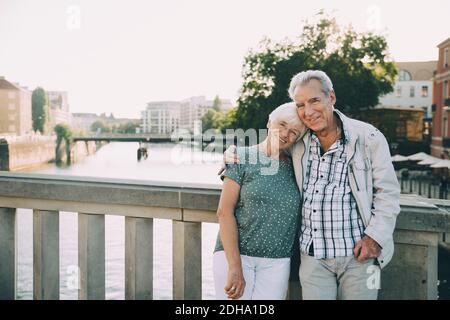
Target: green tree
(127,127)
(208,120)
(217,104)
(100,127)
(63,132)
(219,120)
(39,111)
(357,63)
(229,119)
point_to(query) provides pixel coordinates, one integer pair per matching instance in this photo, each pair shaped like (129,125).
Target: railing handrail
(104,195)
(31,177)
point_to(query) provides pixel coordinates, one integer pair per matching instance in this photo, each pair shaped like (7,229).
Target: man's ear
(333,97)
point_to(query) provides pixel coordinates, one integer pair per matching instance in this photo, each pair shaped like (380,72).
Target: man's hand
(229,156)
(366,248)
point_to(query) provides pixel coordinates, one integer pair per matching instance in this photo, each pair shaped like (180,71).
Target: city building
(58,107)
(165,117)
(440,145)
(403,127)
(15,109)
(161,117)
(83,121)
(413,88)
(405,115)
(194,108)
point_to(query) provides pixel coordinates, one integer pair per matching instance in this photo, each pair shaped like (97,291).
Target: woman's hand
(235,283)
(229,156)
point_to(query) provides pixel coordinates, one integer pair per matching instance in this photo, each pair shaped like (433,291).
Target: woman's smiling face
(283,133)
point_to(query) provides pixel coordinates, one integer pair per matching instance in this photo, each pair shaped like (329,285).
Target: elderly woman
(259,214)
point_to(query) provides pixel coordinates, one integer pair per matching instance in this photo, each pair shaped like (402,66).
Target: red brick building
(440,144)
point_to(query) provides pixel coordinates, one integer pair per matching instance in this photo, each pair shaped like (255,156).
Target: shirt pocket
(338,173)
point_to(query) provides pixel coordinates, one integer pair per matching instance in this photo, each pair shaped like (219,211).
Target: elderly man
(350,195)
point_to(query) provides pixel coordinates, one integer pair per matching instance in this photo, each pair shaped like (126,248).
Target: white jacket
(372,179)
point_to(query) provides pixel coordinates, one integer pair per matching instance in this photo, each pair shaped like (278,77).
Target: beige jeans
(341,278)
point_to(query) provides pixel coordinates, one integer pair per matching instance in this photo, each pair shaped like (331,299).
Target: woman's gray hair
(287,112)
(302,78)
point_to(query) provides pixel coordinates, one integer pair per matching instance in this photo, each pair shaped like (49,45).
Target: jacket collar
(350,133)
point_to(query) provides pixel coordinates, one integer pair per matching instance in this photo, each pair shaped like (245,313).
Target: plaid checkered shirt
(331,224)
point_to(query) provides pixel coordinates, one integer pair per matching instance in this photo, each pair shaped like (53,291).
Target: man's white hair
(302,78)
(287,112)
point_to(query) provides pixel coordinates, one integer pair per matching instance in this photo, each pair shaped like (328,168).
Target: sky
(116,55)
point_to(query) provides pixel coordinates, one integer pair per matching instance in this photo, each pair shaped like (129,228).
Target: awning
(418,156)
(441,164)
(399,158)
(429,161)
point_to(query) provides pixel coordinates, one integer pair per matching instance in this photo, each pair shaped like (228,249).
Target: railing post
(8,262)
(138,258)
(91,256)
(429,189)
(187,260)
(46,254)
(413,272)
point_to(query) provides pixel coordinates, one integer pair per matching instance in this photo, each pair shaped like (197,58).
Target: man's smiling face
(314,107)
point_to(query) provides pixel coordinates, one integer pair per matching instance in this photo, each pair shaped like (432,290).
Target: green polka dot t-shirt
(267,212)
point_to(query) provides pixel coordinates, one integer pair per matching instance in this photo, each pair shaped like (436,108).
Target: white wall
(391,100)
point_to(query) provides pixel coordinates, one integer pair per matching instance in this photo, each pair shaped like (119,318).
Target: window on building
(11,94)
(11,128)
(445,91)
(404,75)
(398,91)
(444,125)
(424,91)
(446,58)
(11,117)
(11,106)
(412,91)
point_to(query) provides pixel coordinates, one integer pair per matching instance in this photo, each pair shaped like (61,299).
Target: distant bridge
(154,138)
(124,137)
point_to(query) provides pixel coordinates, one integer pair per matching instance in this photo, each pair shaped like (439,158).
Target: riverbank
(26,152)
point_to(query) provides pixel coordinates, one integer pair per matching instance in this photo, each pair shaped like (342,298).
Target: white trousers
(265,279)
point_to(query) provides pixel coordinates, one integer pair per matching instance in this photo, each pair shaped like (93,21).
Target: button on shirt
(331,223)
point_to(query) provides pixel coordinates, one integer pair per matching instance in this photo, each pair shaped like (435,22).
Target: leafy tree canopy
(357,63)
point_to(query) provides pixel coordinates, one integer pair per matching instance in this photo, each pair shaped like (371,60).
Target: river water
(166,162)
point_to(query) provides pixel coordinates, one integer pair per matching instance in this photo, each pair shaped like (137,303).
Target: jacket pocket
(360,165)
(360,172)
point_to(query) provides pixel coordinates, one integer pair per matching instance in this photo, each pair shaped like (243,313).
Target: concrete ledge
(92,208)
(109,191)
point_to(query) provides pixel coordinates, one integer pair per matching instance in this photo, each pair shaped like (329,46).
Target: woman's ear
(268,124)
